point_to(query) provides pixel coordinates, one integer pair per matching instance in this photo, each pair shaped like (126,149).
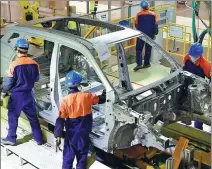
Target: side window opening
(70,59)
(72,25)
(65,26)
(110,66)
(42,55)
(89,31)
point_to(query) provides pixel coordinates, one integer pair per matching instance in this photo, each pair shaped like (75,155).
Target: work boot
(146,66)
(7,142)
(39,144)
(137,68)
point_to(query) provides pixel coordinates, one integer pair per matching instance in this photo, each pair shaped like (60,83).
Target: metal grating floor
(42,157)
(28,155)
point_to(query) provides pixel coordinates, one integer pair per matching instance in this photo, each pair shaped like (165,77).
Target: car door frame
(104,142)
(53,89)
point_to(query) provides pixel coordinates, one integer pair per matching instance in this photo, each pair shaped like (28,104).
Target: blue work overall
(197,70)
(22,75)
(146,22)
(76,138)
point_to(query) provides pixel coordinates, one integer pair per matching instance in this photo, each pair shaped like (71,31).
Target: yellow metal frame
(168,37)
(177,155)
(92,29)
(184,40)
(2,23)
(180,147)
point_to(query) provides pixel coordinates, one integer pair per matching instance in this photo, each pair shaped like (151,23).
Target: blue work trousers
(139,48)
(198,125)
(78,147)
(23,101)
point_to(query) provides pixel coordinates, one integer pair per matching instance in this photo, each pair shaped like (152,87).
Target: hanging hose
(202,35)
(195,13)
(194,7)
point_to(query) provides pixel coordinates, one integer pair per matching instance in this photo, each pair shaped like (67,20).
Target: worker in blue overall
(22,75)
(146,22)
(75,114)
(195,63)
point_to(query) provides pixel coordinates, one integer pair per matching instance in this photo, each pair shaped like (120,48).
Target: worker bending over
(195,63)
(22,75)
(146,22)
(75,114)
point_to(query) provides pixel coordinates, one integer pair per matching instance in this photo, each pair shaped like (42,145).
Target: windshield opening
(159,69)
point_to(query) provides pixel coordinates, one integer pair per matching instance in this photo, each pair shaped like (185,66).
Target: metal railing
(186,41)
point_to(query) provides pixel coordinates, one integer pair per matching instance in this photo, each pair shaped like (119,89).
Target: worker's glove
(102,97)
(104,92)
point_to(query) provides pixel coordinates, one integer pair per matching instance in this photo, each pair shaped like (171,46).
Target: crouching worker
(75,115)
(196,64)
(22,75)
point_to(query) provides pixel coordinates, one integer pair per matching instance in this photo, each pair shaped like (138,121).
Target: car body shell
(127,119)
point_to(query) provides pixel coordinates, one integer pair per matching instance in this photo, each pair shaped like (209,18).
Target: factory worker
(75,115)
(195,63)
(146,22)
(22,75)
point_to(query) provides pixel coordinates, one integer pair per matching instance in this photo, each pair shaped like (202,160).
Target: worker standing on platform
(22,75)
(195,63)
(146,22)
(75,115)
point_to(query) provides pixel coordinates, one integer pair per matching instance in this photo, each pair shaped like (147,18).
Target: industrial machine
(30,12)
(134,115)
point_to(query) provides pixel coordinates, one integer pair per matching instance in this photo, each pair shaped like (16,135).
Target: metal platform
(41,157)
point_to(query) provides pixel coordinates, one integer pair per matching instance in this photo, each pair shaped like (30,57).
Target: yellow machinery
(2,22)
(30,12)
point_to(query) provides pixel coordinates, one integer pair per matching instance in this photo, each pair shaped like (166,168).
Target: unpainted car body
(130,116)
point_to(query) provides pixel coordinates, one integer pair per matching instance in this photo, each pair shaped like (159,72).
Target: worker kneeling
(75,115)
(22,75)
(195,63)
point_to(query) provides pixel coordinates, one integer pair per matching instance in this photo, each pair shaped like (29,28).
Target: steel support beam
(109,12)
(177,130)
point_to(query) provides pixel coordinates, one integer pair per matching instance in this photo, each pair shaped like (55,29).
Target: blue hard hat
(196,50)
(22,45)
(73,79)
(144,4)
